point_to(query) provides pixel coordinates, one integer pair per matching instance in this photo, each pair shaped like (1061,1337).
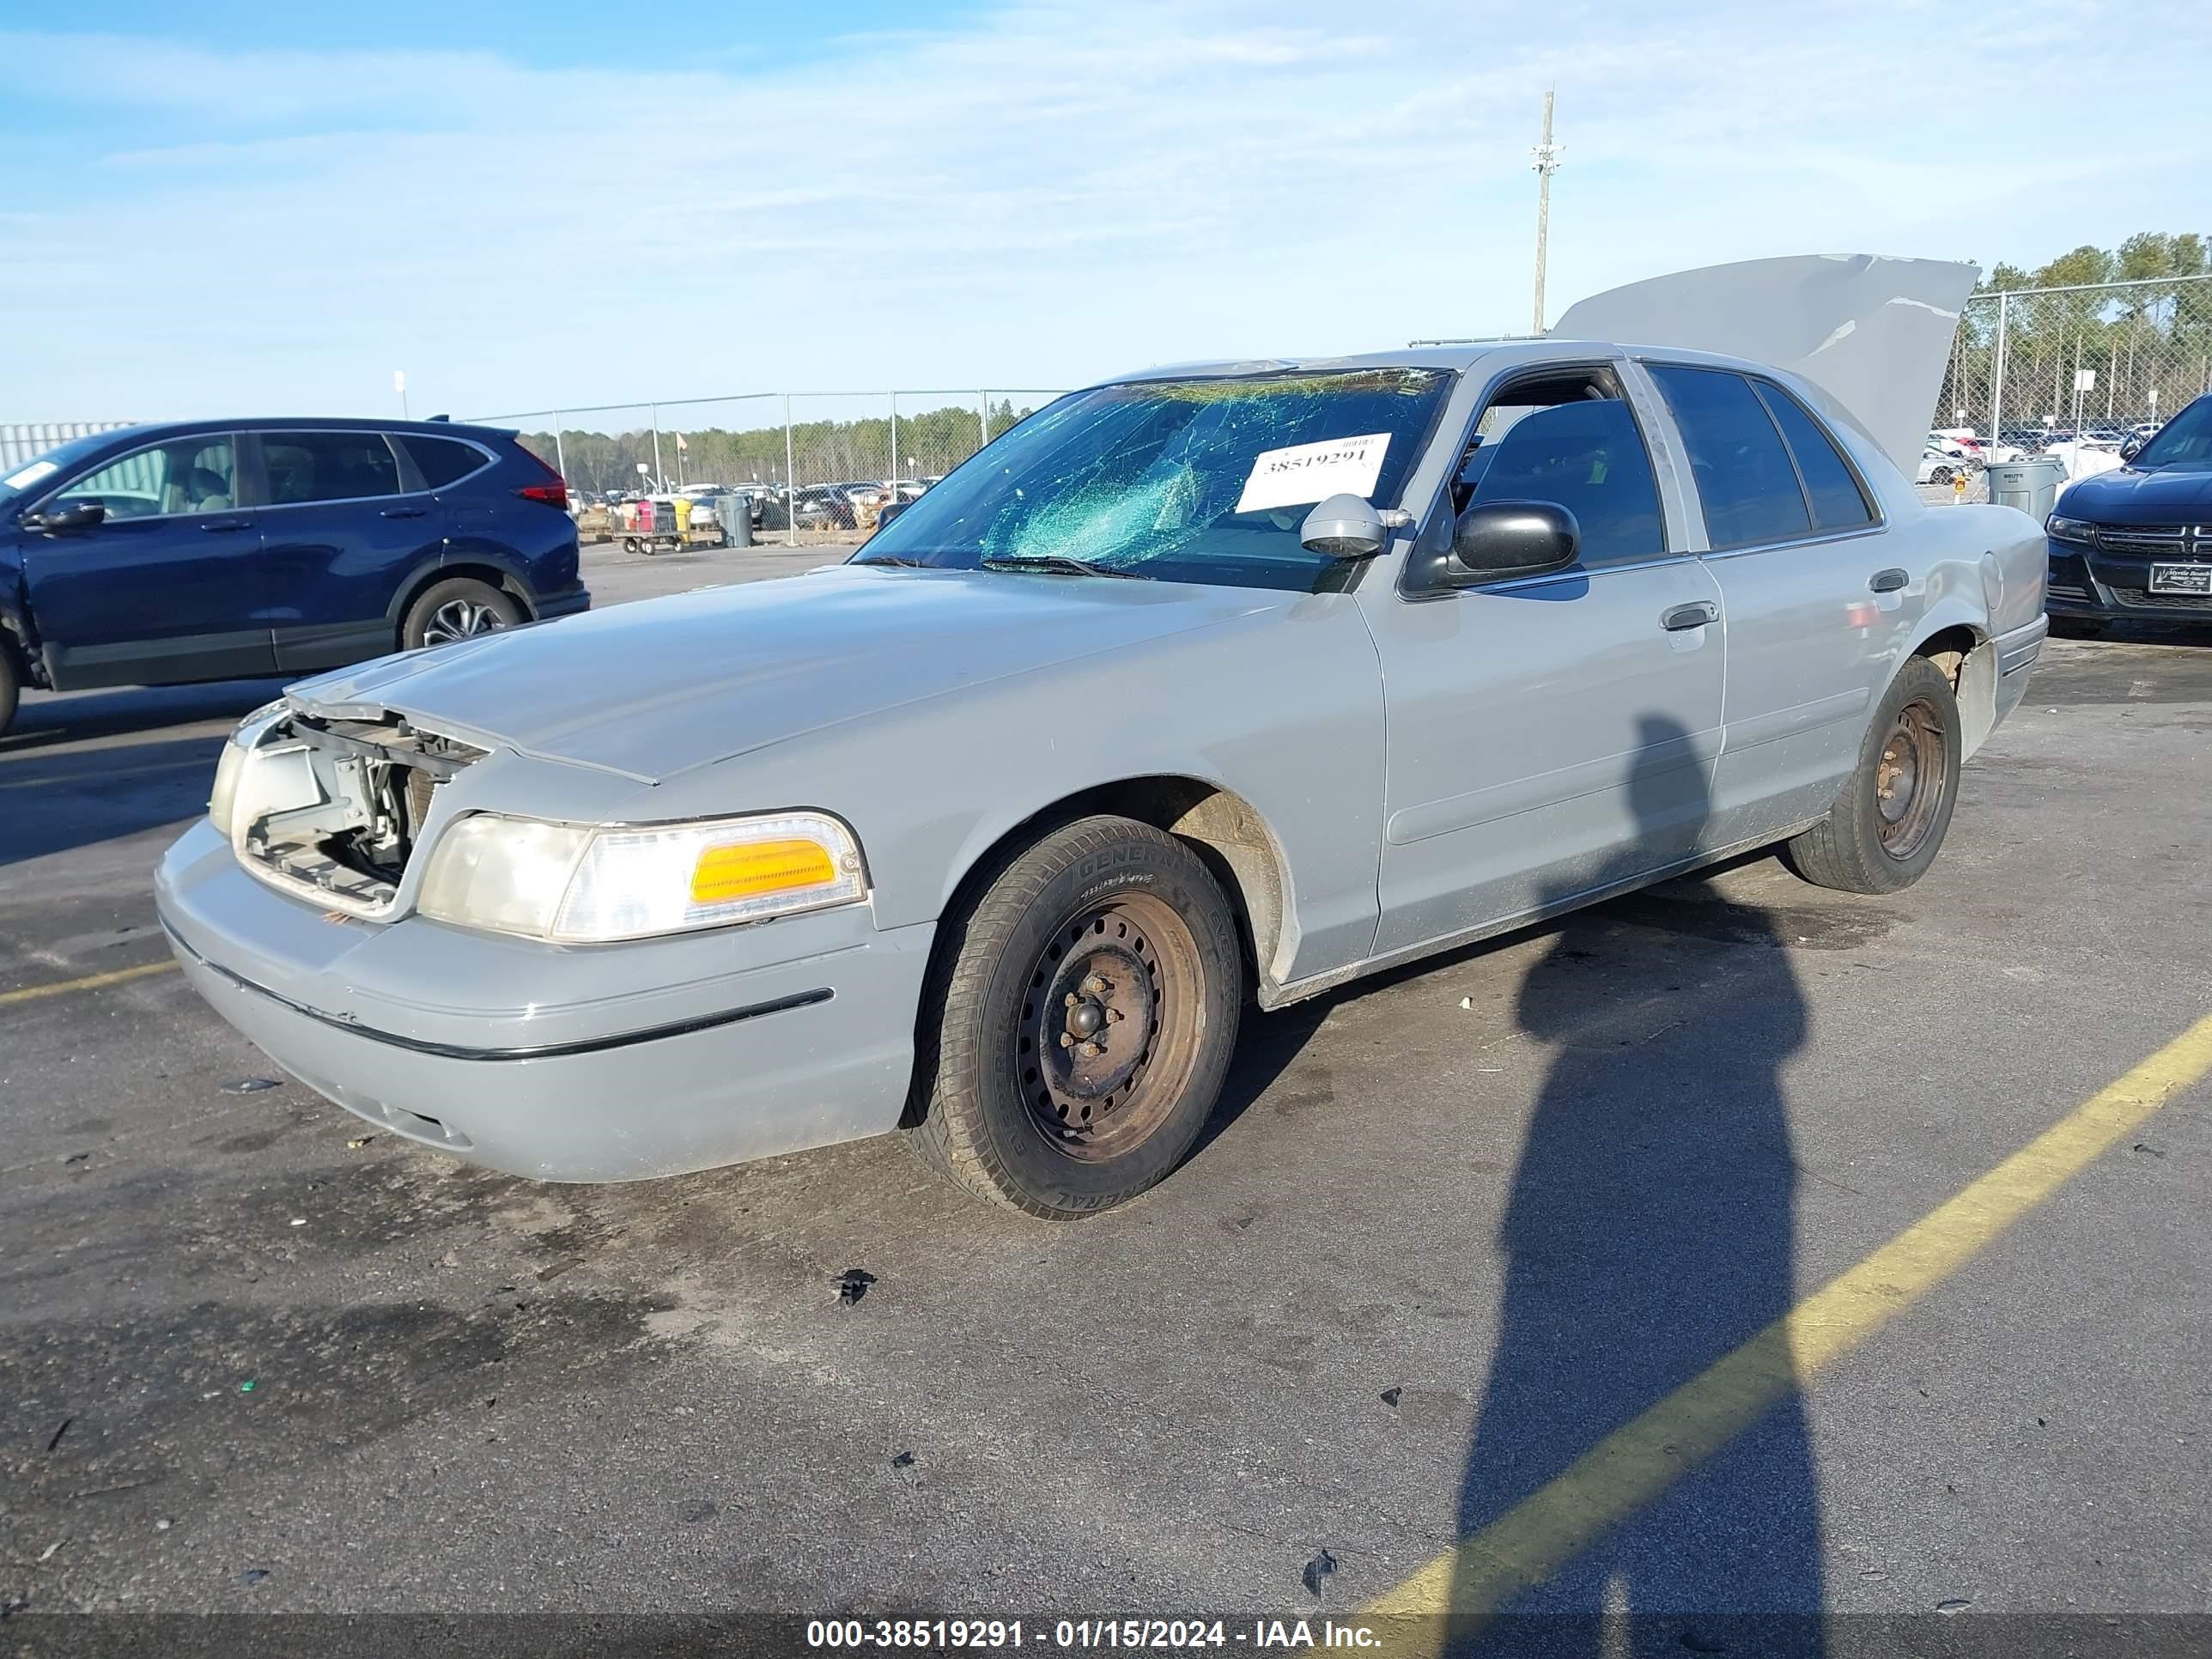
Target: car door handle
(1690,616)
(403,512)
(1887,581)
(227,524)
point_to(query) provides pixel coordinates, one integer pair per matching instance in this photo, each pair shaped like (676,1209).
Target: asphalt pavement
(1450,1230)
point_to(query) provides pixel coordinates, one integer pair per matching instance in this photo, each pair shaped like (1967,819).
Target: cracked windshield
(1192,481)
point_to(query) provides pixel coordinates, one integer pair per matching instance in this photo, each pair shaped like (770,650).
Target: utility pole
(1547,163)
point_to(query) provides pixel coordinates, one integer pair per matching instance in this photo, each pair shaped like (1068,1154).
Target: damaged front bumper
(611,1062)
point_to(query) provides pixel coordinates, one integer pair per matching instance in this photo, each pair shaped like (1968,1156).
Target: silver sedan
(1198,689)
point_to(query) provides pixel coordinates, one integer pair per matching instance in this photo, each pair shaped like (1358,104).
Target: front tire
(1889,822)
(1087,1002)
(11,684)
(458,608)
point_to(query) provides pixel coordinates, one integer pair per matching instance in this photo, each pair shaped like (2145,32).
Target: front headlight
(576,885)
(230,766)
(2070,530)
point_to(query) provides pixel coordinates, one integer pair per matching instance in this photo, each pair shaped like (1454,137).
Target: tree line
(931,442)
(2150,346)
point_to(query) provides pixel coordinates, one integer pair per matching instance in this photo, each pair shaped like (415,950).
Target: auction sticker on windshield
(31,475)
(1305,473)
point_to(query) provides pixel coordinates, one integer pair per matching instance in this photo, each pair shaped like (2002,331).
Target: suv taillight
(553,492)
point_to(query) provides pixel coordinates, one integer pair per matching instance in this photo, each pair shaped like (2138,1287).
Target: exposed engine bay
(335,807)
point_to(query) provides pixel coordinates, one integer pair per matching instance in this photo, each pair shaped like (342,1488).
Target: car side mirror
(2132,445)
(1345,527)
(69,516)
(889,511)
(1495,541)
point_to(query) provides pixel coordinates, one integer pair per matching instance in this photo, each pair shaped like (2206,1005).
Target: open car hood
(1873,333)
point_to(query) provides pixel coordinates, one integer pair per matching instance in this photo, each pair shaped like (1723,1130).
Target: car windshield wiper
(1055,564)
(899,559)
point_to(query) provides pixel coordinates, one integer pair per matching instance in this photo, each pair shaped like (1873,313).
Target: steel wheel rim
(1120,978)
(460,619)
(1911,780)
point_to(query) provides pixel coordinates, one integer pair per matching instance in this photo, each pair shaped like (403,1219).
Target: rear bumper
(2097,581)
(2016,654)
(613,1063)
(564,604)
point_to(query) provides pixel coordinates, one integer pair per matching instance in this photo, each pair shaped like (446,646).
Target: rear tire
(11,684)
(1889,821)
(1088,1003)
(458,608)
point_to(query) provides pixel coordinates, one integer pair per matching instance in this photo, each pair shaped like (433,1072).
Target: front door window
(164,480)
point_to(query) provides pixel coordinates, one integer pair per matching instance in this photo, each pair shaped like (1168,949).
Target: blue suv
(223,550)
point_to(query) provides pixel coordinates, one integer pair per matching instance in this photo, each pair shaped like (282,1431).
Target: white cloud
(1056,192)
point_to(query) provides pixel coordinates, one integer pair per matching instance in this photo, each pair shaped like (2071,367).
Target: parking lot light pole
(560,456)
(1547,163)
(895,465)
(790,481)
(659,479)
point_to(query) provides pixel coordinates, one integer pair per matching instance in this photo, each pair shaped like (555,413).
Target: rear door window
(328,466)
(442,461)
(1838,501)
(1745,479)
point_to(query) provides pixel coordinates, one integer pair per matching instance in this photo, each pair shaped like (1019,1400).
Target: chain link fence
(804,456)
(2070,372)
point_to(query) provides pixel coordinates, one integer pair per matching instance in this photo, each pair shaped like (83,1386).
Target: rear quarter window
(1831,487)
(442,461)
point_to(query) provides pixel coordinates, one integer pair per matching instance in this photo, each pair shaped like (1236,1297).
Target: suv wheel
(458,608)
(1089,1003)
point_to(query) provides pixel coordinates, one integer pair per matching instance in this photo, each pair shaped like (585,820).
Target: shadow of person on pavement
(1649,1232)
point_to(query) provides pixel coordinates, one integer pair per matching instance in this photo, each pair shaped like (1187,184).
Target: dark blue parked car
(221,549)
(2137,542)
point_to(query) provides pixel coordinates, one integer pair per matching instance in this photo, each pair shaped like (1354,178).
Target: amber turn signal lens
(752,867)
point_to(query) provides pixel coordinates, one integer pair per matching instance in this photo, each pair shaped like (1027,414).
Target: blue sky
(230,207)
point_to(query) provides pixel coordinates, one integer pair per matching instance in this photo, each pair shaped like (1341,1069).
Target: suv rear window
(328,466)
(442,461)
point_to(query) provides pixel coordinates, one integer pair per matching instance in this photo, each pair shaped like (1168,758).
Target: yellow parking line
(1455,1594)
(89,982)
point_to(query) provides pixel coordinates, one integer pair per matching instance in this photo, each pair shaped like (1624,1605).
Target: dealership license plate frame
(2196,579)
